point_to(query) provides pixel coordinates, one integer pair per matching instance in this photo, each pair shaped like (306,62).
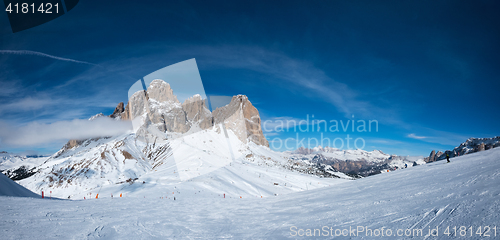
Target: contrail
(28,52)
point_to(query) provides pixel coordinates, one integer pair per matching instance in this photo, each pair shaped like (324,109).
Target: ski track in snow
(463,193)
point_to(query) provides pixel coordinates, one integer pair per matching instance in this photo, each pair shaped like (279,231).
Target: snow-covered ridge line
(471,145)
(356,163)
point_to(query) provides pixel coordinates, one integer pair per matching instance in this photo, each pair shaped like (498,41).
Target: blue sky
(427,71)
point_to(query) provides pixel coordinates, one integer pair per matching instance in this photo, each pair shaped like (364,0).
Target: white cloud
(35,134)
(412,135)
(439,137)
(27,104)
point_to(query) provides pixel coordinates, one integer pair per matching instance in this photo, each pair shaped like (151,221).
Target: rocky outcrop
(137,105)
(242,118)
(471,145)
(73,143)
(160,91)
(303,150)
(481,147)
(433,156)
(197,112)
(160,107)
(126,113)
(119,110)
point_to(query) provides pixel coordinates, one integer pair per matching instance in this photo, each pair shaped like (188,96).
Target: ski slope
(464,192)
(12,189)
(206,163)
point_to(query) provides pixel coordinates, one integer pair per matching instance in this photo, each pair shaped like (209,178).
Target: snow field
(461,193)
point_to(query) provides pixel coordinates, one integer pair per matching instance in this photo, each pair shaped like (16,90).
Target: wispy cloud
(412,135)
(35,134)
(439,137)
(9,88)
(27,104)
(40,54)
(280,68)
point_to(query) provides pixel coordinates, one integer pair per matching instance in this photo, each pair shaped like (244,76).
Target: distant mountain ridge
(353,162)
(471,145)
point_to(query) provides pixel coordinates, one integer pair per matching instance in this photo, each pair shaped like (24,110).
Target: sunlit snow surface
(464,192)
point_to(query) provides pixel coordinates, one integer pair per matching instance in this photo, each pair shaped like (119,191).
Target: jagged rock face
(242,118)
(118,111)
(481,147)
(174,121)
(439,156)
(73,143)
(165,109)
(303,150)
(348,166)
(137,104)
(160,107)
(434,156)
(197,111)
(126,113)
(160,91)
(431,158)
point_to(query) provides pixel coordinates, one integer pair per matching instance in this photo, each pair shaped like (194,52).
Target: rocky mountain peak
(163,109)
(117,113)
(99,115)
(160,107)
(243,119)
(160,91)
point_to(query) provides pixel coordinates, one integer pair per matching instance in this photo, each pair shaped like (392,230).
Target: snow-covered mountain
(18,167)
(457,200)
(471,145)
(353,162)
(173,144)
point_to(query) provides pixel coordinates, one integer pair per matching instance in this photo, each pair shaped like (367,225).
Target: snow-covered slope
(206,160)
(456,198)
(174,145)
(11,188)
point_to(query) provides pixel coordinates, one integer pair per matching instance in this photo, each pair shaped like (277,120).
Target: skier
(447,157)
(406,165)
